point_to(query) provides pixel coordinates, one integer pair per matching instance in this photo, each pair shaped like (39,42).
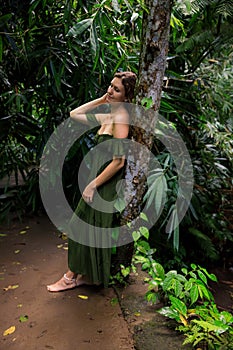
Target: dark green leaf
(80,27)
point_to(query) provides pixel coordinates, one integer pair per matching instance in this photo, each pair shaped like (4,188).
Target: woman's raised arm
(80,112)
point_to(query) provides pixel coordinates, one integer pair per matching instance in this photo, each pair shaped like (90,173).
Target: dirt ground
(29,261)
(32,255)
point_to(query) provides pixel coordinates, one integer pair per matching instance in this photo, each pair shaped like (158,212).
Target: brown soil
(30,260)
(57,321)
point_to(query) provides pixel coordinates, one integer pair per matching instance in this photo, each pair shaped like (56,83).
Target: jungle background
(57,55)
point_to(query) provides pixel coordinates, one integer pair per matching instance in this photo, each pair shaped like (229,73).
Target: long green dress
(96,225)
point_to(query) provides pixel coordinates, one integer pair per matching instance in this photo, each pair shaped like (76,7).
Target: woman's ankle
(70,275)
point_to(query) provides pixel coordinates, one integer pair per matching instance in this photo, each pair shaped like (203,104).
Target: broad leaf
(80,27)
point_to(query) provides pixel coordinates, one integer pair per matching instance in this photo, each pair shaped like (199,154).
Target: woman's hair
(128,81)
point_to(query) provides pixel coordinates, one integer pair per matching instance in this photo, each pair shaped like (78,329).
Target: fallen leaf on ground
(59,246)
(17,251)
(23,318)
(137,314)
(114,301)
(84,297)
(19,305)
(22,232)
(11,287)
(9,330)
(3,234)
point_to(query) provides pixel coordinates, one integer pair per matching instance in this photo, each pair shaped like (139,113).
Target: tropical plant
(209,328)
(197,99)
(54,56)
(187,299)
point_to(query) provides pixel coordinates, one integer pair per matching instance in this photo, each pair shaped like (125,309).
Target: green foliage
(188,300)
(121,276)
(210,327)
(184,288)
(197,99)
(54,56)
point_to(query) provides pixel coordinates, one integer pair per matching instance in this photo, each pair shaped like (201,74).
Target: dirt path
(43,320)
(33,255)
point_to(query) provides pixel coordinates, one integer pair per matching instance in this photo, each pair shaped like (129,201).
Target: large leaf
(94,41)
(80,27)
(194,293)
(178,305)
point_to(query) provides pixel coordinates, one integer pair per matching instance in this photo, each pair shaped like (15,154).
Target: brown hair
(129,81)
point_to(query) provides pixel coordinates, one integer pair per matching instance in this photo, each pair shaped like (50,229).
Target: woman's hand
(79,113)
(103,99)
(89,192)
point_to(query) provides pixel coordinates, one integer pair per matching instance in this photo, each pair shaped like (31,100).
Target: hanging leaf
(80,27)
(1,48)
(115,233)
(136,235)
(143,217)
(94,41)
(176,237)
(116,6)
(144,231)
(119,204)
(159,195)
(57,78)
(9,331)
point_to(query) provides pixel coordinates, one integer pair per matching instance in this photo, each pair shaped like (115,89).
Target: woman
(88,264)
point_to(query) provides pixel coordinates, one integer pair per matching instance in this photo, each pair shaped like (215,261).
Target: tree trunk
(154,49)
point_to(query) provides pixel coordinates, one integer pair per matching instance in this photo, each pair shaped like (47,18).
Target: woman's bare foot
(64,283)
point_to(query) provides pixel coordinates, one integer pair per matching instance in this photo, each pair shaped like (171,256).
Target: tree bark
(153,58)
(154,50)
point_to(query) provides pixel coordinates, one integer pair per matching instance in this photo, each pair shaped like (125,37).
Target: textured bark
(154,49)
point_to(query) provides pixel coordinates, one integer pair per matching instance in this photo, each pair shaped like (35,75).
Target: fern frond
(225,7)
(205,242)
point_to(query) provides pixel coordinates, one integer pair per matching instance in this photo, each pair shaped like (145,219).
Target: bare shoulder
(121,117)
(121,124)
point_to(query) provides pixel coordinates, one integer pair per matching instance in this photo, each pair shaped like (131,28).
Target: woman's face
(116,91)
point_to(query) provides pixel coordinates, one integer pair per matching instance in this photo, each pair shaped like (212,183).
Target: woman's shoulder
(121,125)
(121,116)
